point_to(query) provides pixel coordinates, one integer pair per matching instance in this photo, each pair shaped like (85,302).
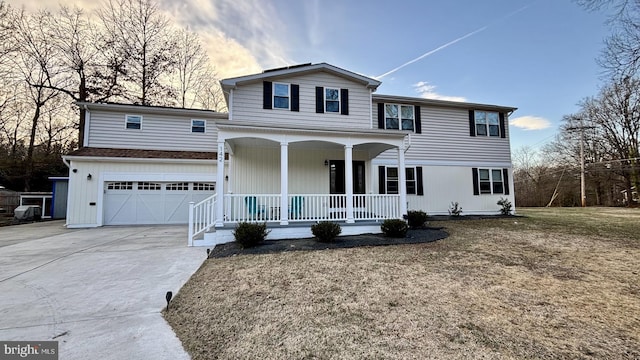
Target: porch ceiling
(373,149)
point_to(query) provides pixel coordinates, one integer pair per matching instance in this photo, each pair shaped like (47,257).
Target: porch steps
(297,230)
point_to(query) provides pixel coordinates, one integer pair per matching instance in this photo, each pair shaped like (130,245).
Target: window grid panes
(178,186)
(120,185)
(487,123)
(485,181)
(490,181)
(149,186)
(332,100)
(407,117)
(496,178)
(281,96)
(198,126)
(204,186)
(411,181)
(391,116)
(133,122)
(393,180)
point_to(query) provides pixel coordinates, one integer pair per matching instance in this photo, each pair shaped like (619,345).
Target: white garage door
(143,202)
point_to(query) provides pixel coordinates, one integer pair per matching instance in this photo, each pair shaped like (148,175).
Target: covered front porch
(294,177)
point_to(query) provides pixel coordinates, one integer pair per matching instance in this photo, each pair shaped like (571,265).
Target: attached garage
(147,202)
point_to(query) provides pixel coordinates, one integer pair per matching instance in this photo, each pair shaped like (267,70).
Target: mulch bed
(417,236)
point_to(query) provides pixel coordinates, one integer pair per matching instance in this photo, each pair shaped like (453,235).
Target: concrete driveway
(98,292)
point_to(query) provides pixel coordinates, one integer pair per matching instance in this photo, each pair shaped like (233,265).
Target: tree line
(127,51)
(606,127)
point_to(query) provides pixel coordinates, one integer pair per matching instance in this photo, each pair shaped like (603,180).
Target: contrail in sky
(453,42)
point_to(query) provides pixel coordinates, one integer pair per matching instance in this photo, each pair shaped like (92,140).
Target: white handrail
(202,217)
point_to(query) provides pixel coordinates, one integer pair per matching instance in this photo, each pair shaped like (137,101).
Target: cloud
(530,123)
(427,91)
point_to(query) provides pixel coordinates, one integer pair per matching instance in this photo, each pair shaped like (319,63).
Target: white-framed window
(120,185)
(490,181)
(281,96)
(331,100)
(133,122)
(178,186)
(149,186)
(393,180)
(487,123)
(204,186)
(399,117)
(198,126)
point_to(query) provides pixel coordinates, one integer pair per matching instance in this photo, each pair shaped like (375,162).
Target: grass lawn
(558,283)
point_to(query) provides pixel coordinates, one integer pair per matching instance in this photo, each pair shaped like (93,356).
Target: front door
(337,181)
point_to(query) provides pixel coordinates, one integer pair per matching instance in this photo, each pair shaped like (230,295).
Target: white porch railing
(300,207)
(202,217)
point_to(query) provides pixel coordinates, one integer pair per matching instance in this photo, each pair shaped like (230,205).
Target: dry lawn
(558,284)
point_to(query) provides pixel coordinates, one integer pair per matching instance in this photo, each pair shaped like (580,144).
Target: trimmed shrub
(326,231)
(506,206)
(455,209)
(396,228)
(250,234)
(416,219)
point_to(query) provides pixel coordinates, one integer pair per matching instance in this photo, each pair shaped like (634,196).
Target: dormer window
(281,96)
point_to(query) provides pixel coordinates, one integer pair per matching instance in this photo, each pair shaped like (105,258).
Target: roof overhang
(157,110)
(231,83)
(441,103)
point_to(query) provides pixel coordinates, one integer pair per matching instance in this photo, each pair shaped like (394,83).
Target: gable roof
(228,84)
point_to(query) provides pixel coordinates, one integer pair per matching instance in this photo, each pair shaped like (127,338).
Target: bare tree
(621,55)
(141,36)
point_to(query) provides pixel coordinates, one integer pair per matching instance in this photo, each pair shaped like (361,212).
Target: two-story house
(299,145)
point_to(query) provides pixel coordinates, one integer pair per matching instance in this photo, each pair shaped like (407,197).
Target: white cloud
(427,91)
(530,123)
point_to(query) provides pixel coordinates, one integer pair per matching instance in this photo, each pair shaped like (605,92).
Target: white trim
(126,121)
(230,107)
(87,120)
(390,162)
(82,226)
(137,160)
(159,110)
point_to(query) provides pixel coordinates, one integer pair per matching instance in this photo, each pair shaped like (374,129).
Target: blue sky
(538,56)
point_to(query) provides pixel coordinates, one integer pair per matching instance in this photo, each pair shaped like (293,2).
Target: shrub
(416,218)
(326,231)
(394,228)
(506,206)
(250,234)
(455,209)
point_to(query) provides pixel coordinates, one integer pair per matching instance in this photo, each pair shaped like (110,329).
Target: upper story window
(399,117)
(486,123)
(332,100)
(490,181)
(198,126)
(133,122)
(281,96)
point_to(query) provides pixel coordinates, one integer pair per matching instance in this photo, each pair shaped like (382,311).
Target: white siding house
(299,145)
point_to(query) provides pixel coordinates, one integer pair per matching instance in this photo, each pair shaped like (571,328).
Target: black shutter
(476,186)
(266,95)
(295,97)
(503,126)
(382,183)
(505,179)
(380,116)
(416,110)
(419,186)
(344,101)
(319,99)
(472,124)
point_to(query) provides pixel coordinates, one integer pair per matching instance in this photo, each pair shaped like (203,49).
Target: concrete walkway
(98,292)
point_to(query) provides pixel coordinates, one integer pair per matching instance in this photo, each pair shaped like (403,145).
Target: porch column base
(284,223)
(219,224)
(350,221)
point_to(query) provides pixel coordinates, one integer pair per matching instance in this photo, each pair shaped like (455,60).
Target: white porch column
(402,181)
(284,183)
(220,185)
(348,179)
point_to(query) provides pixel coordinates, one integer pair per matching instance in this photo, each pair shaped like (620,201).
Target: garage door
(143,202)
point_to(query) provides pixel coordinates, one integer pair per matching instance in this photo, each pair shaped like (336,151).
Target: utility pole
(583,194)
